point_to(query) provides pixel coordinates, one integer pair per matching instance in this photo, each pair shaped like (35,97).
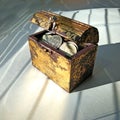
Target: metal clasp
(52,21)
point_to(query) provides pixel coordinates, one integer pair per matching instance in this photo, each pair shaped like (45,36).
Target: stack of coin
(56,41)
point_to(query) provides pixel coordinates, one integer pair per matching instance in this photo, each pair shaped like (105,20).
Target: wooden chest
(65,69)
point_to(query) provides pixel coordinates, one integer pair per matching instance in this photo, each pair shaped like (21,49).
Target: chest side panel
(82,66)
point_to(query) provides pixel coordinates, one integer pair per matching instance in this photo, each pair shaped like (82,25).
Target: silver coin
(46,37)
(69,47)
(55,41)
(71,42)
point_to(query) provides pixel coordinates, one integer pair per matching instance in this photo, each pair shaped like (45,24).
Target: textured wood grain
(82,65)
(69,28)
(55,66)
(66,72)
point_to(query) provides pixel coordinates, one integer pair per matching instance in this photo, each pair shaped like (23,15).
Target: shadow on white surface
(5,86)
(37,101)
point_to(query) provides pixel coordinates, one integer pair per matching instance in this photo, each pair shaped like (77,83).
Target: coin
(70,42)
(55,41)
(69,47)
(46,37)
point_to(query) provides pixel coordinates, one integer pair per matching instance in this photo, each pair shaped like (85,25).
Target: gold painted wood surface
(66,72)
(55,66)
(82,66)
(69,28)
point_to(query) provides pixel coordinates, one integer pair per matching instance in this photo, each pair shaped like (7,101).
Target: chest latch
(52,24)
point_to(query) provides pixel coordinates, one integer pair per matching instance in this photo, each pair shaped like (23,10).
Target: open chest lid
(66,27)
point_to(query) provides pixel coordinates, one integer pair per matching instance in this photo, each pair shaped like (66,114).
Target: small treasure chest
(65,50)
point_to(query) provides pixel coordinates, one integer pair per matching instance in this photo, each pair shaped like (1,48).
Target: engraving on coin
(54,40)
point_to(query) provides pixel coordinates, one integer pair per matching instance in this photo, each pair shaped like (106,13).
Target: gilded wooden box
(65,70)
